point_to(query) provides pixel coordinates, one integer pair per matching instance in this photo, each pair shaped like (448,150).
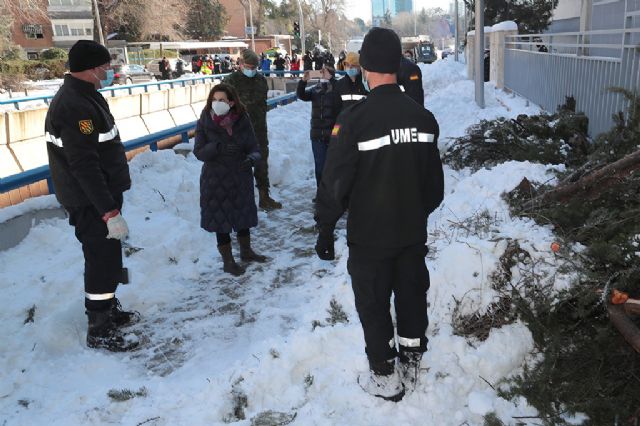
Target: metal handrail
(43,172)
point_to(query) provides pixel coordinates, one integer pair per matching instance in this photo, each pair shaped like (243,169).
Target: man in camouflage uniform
(252,89)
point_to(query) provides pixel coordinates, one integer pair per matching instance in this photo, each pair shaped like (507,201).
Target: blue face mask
(365,83)
(352,72)
(249,73)
(108,79)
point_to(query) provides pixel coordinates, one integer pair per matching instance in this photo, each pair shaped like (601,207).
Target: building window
(87,31)
(32,31)
(61,30)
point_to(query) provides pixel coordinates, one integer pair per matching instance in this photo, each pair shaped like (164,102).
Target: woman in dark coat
(225,142)
(325,107)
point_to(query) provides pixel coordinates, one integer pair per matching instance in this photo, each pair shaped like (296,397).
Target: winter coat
(350,91)
(325,107)
(410,78)
(253,95)
(86,157)
(226,194)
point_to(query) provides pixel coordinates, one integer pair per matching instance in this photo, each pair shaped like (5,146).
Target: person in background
(295,63)
(350,87)
(165,68)
(217,65)
(252,89)
(383,166)
(265,65)
(341,58)
(410,78)
(325,106)
(279,63)
(318,60)
(196,62)
(179,68)
(225,142)
(90,173)
(307,61)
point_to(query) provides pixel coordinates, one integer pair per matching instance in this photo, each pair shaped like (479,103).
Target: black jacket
(86,157)
(350,91)
(307,62)
(226,193)
(325,107)
(279,63)
(410,78)
(383,165)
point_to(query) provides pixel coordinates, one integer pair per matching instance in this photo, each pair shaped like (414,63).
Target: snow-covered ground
(211,340)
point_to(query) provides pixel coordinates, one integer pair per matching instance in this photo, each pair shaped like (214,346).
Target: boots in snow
(122,318)
(409,367)
(102,333)
(229,264)
(266,202)
(246,252)
(382,381)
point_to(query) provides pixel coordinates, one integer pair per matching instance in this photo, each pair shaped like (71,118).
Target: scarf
(225,121)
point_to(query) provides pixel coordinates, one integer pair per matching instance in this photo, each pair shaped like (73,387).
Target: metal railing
(180,82)
(43,172)
(547,68)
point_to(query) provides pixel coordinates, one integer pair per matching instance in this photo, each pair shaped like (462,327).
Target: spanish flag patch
(336,130)
(86,126)
(414,77)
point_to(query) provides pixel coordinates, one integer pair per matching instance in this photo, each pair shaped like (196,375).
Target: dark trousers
(403,273)
(102,256)
(261,167)
(319,148)
(224,238)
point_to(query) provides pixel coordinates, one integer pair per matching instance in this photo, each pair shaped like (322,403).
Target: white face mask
(220,108)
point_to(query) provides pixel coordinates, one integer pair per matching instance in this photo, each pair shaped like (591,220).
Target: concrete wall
(495,42)
(22,144)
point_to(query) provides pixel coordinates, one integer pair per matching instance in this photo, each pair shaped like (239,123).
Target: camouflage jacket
(253,94)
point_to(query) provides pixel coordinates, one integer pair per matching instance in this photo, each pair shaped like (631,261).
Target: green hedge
(34,69)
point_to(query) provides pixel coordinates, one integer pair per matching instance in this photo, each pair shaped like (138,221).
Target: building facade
(382,8)
(71,20)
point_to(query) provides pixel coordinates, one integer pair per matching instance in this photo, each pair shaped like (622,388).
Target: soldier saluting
(383,165)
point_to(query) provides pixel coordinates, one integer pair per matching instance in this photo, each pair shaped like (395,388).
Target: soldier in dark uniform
(307,61)
(383,166)
(410,79)
(350,86)
(90,172)
(252,88)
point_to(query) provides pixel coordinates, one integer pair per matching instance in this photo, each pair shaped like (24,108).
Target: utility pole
(98,23)
(253,29)
(301,23)
(457,38)
(479,58)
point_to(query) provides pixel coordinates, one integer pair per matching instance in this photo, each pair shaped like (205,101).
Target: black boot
(409,367)
(122,318)
(382,381)
(229,264)
(246,252)
(103,333)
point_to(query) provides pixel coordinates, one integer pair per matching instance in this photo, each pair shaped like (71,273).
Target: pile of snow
(218,348)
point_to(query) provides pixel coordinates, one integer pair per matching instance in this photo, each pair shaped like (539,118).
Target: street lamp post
(301,21)
(253,41)
(479,59)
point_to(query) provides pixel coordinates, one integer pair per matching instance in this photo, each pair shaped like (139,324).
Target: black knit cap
(381,51)
(87,54)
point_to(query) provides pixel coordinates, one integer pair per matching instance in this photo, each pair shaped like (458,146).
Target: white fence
(546,68)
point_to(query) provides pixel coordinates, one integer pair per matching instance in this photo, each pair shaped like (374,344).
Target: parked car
(154,67)
(129,74)
(446,52)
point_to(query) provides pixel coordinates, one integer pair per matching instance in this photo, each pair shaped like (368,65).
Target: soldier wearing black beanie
(87,54)
(384,168)
(90,174)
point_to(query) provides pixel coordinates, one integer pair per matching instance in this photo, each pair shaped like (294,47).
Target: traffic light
(296,29)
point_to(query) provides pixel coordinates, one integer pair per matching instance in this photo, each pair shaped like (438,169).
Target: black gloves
(230,149)
(246,164)
(324,245)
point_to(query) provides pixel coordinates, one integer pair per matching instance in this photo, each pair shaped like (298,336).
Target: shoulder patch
(335,130)
(86,126)
(414,77)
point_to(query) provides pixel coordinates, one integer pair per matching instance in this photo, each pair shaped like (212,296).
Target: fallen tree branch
(625,326)
(591,184)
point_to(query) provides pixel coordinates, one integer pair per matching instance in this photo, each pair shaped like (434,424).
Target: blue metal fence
(42,172)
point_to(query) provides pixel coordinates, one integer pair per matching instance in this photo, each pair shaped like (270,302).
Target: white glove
(117,226)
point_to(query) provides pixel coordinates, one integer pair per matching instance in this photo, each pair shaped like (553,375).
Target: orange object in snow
(555,247)
(618,297)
